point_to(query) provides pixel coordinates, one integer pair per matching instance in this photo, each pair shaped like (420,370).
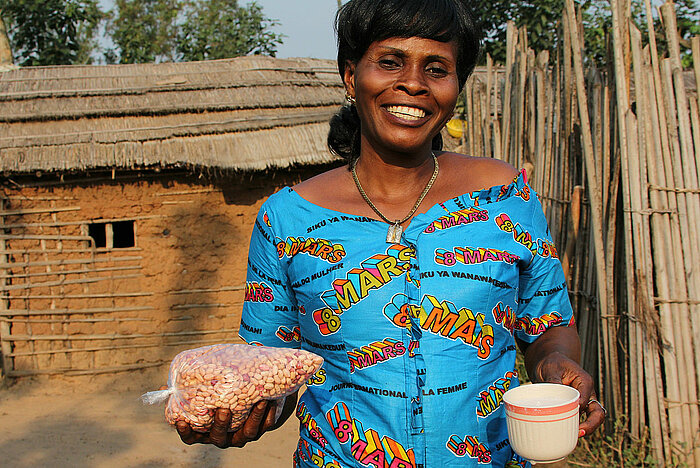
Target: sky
(307,25)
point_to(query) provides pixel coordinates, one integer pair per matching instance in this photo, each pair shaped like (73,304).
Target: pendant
(393,235)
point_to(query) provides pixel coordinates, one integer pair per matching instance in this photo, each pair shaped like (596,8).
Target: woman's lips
(406,113)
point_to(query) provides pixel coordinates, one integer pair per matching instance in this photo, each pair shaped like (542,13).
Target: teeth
(409,113)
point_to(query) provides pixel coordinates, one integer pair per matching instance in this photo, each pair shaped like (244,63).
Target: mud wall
(79,299)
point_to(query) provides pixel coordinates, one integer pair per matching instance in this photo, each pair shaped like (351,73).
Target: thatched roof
(243,113)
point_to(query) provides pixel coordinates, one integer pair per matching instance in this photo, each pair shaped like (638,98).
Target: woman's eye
(389,63)
(436,70)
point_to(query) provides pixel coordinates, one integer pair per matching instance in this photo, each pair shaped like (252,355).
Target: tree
(540,17)
(51,32)
(217,29)
(5,49)
(145,30)
(173,30)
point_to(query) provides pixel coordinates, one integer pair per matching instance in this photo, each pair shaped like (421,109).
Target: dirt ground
(99,422)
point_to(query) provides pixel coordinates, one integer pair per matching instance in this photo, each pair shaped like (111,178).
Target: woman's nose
(412,81)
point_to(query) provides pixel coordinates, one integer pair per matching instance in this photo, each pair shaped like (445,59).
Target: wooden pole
(511,43)
(679,320)
(5,346)
(5,48)
(649,356)
(593,189)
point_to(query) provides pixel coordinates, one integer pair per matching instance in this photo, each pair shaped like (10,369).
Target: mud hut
(129,194)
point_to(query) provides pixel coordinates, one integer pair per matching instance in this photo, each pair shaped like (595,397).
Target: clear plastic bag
(231,376)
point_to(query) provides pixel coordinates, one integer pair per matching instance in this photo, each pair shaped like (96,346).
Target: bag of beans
(231,376)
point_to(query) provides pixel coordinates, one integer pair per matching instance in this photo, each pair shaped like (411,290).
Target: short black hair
(359,23)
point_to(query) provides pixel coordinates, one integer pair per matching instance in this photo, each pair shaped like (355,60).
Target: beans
(235,377)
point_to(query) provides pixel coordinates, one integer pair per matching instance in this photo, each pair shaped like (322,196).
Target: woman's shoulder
(471,173)
(328,188)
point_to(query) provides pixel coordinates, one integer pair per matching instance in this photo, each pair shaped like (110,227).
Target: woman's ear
(349,78)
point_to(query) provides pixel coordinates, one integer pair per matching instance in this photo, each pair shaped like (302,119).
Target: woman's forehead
(415,45)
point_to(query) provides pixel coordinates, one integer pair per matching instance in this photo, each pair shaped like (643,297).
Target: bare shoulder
(472,173)
(322,188)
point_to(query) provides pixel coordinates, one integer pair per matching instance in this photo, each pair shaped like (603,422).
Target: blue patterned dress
(418,337)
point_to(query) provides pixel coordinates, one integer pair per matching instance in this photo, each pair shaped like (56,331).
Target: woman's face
(405,89)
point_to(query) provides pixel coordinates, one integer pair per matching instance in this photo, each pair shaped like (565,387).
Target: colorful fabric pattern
(419,337)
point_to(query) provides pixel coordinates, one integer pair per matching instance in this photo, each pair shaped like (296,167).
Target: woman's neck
(394,177)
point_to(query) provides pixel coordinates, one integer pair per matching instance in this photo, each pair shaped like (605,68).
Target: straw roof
(242,113)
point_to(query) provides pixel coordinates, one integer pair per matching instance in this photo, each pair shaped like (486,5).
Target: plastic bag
(232,376)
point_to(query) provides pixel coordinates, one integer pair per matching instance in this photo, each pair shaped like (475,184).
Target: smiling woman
(446,265)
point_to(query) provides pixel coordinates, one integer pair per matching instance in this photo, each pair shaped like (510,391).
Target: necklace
(393,235)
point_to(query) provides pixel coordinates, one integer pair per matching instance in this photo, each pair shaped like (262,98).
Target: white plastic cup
(542,421)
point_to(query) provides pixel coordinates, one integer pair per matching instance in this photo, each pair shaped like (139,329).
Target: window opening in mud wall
(114,235)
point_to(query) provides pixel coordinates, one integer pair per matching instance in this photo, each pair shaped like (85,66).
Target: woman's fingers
(218,435)
(270,419)
(261,418)
(252,425)
(595,415)
(187,435)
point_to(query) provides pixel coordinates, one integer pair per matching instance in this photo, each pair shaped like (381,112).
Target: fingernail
(581,433)
(262,404)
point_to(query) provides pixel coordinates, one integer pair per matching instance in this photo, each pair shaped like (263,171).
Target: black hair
(359,23)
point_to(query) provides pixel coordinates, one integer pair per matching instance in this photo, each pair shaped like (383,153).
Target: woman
(412,271)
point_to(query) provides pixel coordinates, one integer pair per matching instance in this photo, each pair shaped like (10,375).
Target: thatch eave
(249,113)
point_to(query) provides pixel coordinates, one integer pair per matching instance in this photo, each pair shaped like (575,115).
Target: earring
(349,100)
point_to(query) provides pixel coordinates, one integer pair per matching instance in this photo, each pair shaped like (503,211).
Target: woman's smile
(407,113)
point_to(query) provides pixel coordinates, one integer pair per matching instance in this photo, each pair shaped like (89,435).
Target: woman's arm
(554,357)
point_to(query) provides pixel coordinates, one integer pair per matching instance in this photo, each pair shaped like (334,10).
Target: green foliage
(540,17)
(217,29)
(145,30)
(598,26)
(173,30)
(51,32)
(688,22)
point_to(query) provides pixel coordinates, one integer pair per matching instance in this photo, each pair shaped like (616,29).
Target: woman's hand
(554,357)
(260,420)
(558,368)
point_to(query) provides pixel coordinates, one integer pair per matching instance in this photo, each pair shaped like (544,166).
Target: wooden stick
(68,262)
(488,133)
(71,311)
(680,313)
(187,192)
(49,284)
(594,190)
(90,251)
(79,223)
(5,346)
(38,210)
(670,427)
(511,43)
(114,336)
(45,237)
(84,296)
(71,272)
(76,372)
(119,347)
(197,291)
(649,352)
(65,320)
(695,122)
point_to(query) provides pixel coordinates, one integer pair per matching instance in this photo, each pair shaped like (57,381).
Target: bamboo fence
(614,154)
